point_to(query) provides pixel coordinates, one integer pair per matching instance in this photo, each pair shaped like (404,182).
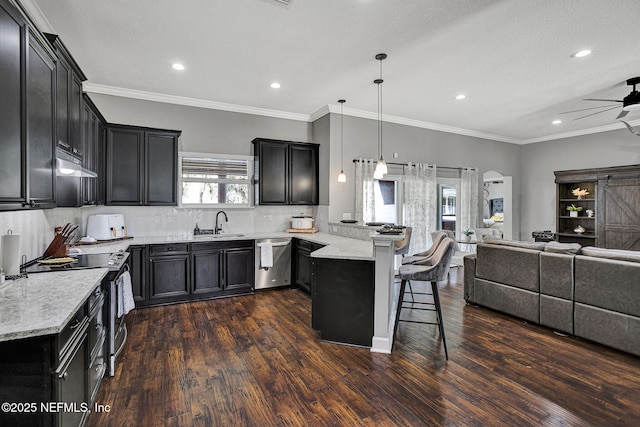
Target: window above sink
(215,181)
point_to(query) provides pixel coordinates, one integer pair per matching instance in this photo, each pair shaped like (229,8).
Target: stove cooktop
(112,261)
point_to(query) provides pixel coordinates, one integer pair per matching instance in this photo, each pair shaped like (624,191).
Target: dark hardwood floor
(255,361)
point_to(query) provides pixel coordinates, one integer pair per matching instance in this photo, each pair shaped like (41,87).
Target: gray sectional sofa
(589,292)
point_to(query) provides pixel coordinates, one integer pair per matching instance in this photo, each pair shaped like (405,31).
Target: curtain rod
(459,168)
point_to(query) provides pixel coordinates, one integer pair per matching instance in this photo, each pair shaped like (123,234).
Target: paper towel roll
(11,254)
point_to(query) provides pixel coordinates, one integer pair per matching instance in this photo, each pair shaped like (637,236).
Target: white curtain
(365,195)
(468,199)
(420,204)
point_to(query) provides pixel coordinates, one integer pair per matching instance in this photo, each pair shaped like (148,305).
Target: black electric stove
(113,262)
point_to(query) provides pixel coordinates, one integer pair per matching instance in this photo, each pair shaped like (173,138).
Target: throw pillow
(562,248)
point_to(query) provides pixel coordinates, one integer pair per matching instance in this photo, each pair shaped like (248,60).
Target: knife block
(57,247)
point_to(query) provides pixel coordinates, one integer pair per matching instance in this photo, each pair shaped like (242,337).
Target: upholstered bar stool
(421,256)
(433,270)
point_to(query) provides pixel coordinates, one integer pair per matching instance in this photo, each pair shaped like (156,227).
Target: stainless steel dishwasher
(279,274)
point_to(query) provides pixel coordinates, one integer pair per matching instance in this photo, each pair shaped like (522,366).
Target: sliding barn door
(619,200)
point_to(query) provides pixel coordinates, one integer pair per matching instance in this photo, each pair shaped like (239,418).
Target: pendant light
(342,177)
(381,167)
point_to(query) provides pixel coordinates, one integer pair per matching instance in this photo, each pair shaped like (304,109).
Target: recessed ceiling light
(461,96)
(556,122)
(275,85)
(581,53)
(177,66)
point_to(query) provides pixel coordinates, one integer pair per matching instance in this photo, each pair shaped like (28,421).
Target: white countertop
(336,246)
(45,302)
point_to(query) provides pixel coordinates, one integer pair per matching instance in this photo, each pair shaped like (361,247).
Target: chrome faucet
(218,228)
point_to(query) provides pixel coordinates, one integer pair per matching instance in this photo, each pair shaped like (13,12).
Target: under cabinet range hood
(69,165)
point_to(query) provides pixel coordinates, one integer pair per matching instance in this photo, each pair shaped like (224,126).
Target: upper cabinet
(26,114)
(69,78)
(141,166)
(94,148)
(287,172)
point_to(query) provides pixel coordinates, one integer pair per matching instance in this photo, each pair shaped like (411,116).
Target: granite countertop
(45,302)
(336,246)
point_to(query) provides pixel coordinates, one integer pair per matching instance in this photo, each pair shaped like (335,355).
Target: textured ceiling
(510,57)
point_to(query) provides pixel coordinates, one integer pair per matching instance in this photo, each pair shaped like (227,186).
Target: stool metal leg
(399,307)
(436,300)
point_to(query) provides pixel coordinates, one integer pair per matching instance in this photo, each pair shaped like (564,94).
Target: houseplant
(573,210)
(467,234)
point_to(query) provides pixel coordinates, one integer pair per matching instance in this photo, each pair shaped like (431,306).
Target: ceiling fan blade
(597,112)
(622,114)
(632,130)
(585,109)
(606,100)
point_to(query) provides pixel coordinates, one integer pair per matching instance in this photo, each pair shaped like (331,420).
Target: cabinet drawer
(97,369)
(72,327)
(212,246)
(169,249)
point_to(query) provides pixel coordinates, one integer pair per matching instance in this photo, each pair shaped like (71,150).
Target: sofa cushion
(507,299)
(562,248)
(514,266)
(538,246)
(556,275)
(633,256)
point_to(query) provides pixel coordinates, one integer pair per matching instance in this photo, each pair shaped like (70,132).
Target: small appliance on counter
(302,224)
(105,227)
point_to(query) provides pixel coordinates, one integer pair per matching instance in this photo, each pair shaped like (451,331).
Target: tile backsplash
(36,228)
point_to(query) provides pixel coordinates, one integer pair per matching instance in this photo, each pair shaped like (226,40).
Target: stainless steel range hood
(68,165)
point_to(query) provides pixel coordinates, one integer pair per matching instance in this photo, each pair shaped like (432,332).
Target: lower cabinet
(342,305)
(39,374)
(302,263)
(168,273)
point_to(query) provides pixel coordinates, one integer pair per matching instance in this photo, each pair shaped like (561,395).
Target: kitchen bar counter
(45,302)
(336,246)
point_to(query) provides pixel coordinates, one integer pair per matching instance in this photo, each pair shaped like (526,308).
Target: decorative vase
(579,197)
(467,238)
(573,213)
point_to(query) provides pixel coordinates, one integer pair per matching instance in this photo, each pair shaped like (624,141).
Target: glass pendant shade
(342,177)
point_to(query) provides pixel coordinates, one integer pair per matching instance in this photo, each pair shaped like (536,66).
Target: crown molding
(415,123)
(31,8)
(190,102)
(581,132)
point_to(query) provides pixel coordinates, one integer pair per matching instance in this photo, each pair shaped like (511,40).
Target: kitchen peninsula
(338,251)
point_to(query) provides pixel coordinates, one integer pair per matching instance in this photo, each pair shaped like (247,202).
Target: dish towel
(125,294)
(266,255)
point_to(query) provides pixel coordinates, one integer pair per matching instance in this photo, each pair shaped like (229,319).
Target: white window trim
(250,181)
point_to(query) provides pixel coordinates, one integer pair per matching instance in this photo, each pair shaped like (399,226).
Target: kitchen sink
(216,236)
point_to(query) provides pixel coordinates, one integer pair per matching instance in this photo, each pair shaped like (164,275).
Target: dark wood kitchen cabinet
(138,259)
(169,272)
(303,263)
(287,172)
(93,147)
(342,306)
(179,272)
(222,268)
(65,367)
(141,166)
(69,78)
(27,158)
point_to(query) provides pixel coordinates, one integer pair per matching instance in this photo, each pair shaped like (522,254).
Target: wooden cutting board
(302,230)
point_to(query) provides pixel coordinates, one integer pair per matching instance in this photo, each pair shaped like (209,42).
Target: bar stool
(420,256)
(432,270)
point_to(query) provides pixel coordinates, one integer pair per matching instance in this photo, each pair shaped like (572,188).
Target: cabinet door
(207,271)
(303,269)
(161,166)
(12,156)
(239,268)
(40,125)
(75,113)
(303,161)
(124,166)
(138,270)
(273,173)
(169,277)
(100,156)
(89,148)
(63,76)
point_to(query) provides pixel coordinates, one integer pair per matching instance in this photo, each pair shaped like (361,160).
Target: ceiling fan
(630,102)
